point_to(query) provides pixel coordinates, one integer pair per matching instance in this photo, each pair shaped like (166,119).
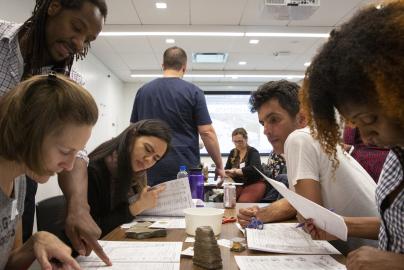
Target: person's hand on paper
(371,258)
(84,233)
(148,199)
(316,233)
(47,246)
(245,215)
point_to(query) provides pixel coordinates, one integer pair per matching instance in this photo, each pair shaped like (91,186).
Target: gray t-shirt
(10,217)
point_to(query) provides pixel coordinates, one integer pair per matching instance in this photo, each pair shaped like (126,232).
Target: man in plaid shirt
(57,32)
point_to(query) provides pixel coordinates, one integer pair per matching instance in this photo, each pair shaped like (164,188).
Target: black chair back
(51,215)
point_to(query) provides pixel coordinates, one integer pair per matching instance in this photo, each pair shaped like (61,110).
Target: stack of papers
(286,238)
(136,255)
(293,262)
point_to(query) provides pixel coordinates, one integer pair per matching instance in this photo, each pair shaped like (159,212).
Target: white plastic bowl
(203,216)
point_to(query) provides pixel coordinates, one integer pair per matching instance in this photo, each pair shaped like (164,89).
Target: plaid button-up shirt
(391,235)
(11,62)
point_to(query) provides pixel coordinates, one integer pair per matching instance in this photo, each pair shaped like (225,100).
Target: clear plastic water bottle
(183,172)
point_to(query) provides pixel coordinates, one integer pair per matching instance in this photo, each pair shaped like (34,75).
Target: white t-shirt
(350,191)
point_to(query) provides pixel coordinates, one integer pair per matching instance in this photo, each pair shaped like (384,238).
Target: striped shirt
(391,235)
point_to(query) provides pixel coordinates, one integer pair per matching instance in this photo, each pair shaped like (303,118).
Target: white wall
(129,93)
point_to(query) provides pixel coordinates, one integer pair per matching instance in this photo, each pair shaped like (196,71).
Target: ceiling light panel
(161,5)
(209,58)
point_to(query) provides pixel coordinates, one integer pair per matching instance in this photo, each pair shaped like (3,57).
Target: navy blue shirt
(182,106)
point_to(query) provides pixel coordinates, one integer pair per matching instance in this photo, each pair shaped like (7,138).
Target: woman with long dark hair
(117,171)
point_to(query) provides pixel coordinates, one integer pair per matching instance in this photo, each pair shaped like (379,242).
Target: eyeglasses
(240,141)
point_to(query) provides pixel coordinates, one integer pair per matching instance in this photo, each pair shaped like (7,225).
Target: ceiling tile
(177,12)
(121,12)
(224,12)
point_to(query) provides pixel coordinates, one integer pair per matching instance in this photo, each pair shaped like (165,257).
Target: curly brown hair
(362,63)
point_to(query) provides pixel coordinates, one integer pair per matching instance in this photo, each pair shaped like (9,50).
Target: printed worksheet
(322,217)
(136,255)
(289,262)
(175,198)
(129,265)
(286,238)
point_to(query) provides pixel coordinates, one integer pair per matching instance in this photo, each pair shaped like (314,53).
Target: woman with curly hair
(359,72)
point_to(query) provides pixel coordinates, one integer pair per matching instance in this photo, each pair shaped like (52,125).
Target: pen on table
(302,224)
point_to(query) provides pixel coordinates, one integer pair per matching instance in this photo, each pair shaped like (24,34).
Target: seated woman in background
(44,122)
(117,171)
(366,86)
(240,167)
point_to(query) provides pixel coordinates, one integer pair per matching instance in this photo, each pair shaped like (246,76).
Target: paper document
(158,222)
(136,255)
(323,218)
(289,262)
(188,252)
(171,201)
(178,223)
(286,238)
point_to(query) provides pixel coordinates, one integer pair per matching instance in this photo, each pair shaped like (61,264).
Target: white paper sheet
(158,222)
(129,265)
(286,238)
(289,262)
(175,198)
(190,239)
(188,252)
(323,218)
(178,223)
(240,228)
(225,243)
(136,255)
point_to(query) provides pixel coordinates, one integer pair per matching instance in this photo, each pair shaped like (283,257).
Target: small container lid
(183,168)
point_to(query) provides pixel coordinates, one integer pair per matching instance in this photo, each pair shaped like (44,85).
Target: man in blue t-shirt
(182,106)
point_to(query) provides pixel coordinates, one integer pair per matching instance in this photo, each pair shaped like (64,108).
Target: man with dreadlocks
(58,32)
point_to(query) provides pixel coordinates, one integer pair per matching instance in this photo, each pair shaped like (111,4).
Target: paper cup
(203,216)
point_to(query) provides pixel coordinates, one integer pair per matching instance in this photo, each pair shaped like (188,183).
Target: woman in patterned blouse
(359,72)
